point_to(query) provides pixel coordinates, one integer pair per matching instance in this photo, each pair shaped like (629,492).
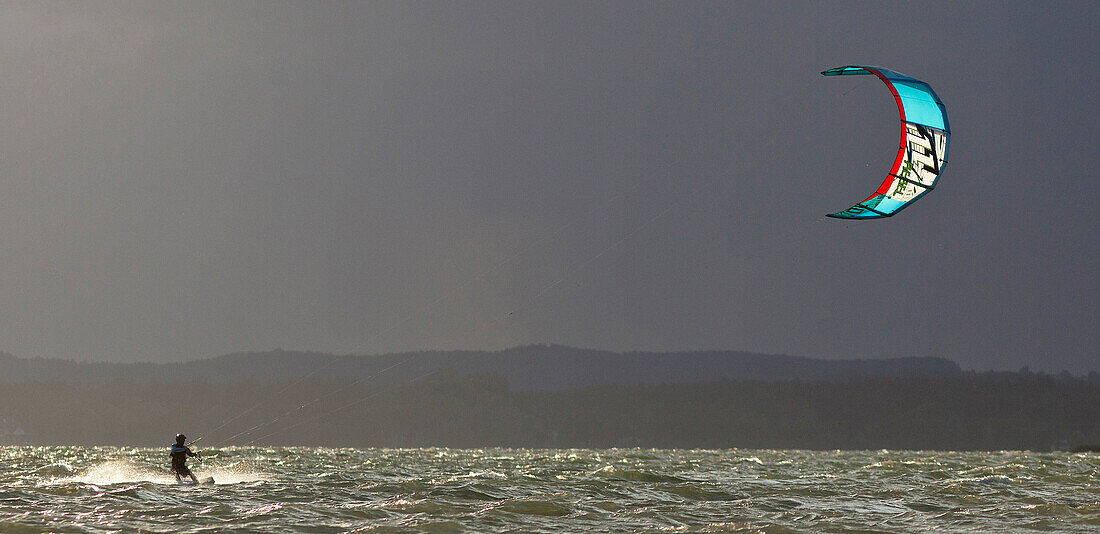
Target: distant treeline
(526,368)
(964,412)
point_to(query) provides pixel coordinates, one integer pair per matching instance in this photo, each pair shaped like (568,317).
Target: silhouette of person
(180,453)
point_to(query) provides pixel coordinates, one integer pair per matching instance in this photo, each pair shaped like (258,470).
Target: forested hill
(532,367)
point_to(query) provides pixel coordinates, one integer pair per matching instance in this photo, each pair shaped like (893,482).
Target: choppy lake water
(77,489)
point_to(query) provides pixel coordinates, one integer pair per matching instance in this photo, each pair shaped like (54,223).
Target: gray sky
(189,179)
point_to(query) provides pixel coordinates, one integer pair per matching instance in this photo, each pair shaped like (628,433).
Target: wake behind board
(208,481)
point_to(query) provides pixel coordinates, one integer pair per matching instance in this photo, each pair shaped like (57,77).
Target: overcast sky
(189,179)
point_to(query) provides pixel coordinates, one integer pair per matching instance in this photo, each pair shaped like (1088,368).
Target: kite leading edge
(922,153)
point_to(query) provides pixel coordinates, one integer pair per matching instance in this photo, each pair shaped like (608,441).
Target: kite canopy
(922,153)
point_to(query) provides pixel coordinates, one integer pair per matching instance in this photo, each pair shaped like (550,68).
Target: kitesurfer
(179,455)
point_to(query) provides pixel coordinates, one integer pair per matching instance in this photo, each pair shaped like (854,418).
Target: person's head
(180,438)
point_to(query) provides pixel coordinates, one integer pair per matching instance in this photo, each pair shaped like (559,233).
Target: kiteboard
(208,481)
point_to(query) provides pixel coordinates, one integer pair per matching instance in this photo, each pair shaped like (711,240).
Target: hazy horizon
(1080,374)
(182,181)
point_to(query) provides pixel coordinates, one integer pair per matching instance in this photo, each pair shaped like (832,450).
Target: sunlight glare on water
(79,489)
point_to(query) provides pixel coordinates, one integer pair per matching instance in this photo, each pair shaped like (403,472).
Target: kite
(922,153)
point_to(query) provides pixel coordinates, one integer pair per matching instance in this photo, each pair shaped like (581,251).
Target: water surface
(101,490)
